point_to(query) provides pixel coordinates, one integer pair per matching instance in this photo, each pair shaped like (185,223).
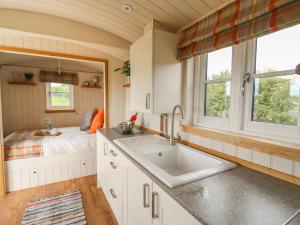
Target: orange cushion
(97,122)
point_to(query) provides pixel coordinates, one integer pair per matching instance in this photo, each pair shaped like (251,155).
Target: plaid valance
(54,77)
(239,21)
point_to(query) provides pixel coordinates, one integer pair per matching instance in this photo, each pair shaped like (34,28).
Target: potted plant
(28,76)
(125,69)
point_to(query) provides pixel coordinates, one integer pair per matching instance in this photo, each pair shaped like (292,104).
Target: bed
(33,160)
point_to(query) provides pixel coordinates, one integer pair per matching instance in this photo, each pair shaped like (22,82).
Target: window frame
(267,129)
(237,67)
(48,98)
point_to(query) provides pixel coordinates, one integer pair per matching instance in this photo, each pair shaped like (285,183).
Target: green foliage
(273,102)
(28,76)
(60,88)
(217,103)
(125,69)
(60,95)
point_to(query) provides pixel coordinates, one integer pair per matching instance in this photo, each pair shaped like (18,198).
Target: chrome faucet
(172,139)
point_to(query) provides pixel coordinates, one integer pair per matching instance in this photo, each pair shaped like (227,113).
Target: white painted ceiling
(108,15)
(49,63)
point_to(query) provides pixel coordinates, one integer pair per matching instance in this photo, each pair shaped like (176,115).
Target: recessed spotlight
(127,8)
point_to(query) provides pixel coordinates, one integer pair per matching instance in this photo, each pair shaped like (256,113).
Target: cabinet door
(101,161)
(141,57)
(166,211)
(139,190)
(167,76)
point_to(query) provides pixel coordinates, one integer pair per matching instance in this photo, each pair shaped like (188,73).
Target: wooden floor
(97,210)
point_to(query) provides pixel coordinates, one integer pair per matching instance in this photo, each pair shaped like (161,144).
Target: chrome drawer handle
(146,191)
(112,192)
(147,106)
(113,153)
(155,205)
(113,165)
(105,148)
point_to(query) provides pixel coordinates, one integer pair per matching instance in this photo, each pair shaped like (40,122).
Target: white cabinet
(102,159)
(132,195)
(155,73)
(166,211)
(139,201)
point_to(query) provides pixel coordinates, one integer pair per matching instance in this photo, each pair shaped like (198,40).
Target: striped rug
(63,209)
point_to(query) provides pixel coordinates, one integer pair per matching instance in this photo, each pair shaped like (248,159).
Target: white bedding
(71,140)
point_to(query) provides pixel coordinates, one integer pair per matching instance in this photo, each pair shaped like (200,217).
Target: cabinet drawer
(114,153)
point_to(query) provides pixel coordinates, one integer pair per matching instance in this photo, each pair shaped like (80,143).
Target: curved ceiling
(108,15)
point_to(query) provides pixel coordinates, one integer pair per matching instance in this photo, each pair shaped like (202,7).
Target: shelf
(22,83)
(97,87)
(126,85)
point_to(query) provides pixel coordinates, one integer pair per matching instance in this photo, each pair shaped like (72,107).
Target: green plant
(125,69)
(28,76)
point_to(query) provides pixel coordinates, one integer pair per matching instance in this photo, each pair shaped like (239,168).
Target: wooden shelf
(21,83)
(97,87)
(126,85)
(61,111)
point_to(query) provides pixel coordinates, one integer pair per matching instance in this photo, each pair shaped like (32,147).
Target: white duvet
(71,140)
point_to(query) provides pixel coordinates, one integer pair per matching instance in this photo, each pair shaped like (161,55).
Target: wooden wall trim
(51,54)
(2,168)
(282,149)
(105,81)
(250,165)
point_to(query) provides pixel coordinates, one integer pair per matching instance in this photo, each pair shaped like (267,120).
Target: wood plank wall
(24,106)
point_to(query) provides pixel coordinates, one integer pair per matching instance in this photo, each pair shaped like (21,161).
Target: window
(265,101)
(273,95)
(59,96)
(215,90)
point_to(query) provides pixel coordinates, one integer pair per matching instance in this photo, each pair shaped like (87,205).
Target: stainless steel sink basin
(173,165)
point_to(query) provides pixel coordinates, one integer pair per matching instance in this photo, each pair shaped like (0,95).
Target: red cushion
(98,122)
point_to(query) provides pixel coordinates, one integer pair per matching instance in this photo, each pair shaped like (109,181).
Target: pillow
(97,122)
(88,119)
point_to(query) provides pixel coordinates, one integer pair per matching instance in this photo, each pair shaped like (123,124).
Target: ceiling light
(127,8)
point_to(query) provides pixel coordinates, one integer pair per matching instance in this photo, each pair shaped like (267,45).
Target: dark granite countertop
(240,196)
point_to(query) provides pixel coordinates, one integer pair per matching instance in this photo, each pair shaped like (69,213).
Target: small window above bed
(59,96)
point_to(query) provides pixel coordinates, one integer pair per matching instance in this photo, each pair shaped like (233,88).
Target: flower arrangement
(47,121)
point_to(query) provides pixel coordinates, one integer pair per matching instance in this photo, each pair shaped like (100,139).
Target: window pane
(60,99)
(217,99)
(55,87)
(219,64)
(278,51)
(276,99)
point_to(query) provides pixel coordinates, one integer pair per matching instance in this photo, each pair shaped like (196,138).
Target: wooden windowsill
(282,149)
(61,111)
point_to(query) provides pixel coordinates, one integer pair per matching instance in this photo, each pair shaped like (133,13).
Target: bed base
(32,172)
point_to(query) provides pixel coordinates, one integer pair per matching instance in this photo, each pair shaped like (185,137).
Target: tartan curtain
(64,77)
(239,21)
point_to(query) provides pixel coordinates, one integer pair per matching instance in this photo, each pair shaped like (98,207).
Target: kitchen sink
(175,164)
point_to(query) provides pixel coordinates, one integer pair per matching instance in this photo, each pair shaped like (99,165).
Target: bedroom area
(51,108)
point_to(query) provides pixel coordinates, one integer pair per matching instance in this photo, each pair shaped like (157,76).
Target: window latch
(246,79)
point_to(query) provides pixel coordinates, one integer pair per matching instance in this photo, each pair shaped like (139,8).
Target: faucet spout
(172,139)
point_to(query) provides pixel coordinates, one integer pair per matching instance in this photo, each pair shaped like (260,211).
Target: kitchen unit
(134,197)
(237,196)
